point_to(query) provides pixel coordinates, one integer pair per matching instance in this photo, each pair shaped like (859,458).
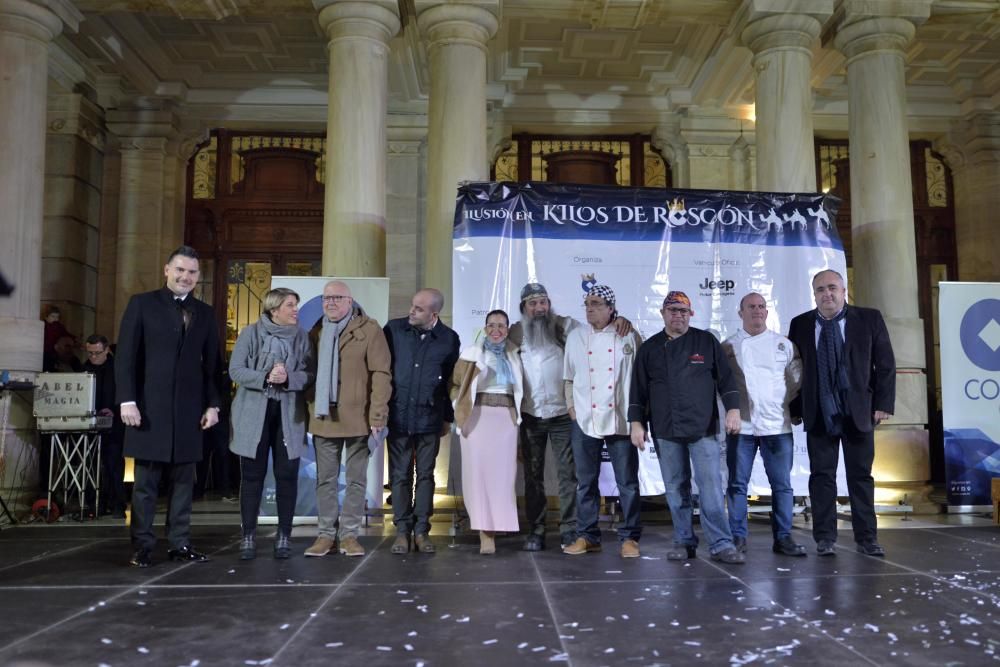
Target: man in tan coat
(350,402)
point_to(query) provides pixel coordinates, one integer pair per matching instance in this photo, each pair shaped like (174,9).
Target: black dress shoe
(741,544)
(786,546)
(140,558)
(533,543)
(187,553)
(871,548)
(826,548)
(682,552)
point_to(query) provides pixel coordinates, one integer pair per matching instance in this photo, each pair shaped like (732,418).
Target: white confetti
(141,603)
(105,640)
(408,647)
(464,619)
(690,643)
(537,649)
(142,649)
(335,644)
(523,645)
(383,648)
(232,571)
(445,616)
(829,612)
(285,626)
(489,641)
(612,572)
(401,593)
(411,633)
(520,614)
(784,569)
(609,650)
(869,626)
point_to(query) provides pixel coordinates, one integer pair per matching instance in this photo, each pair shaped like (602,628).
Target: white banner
(969,316)
(643,242)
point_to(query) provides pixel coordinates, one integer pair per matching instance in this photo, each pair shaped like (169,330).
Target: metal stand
(75,463)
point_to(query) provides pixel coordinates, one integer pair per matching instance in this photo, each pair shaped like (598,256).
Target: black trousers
(113,495)
(412,512)
(144,494)
(253,471)
(859,452)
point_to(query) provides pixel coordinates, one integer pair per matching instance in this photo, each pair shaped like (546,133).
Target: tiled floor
(66,598)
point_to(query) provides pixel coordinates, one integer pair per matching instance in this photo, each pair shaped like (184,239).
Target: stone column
(739,165)
(885,270)
(354,208)
(147,229)
(457,35)
(667,138)
(26,28)
(781,35)
(973,153)
(74,166)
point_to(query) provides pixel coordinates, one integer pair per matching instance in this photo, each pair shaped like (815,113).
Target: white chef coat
(768,369)
(599,364)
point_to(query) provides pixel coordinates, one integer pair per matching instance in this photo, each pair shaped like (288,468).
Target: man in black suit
(167,382)
(848,387)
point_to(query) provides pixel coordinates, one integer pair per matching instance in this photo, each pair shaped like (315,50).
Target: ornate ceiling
(653,56)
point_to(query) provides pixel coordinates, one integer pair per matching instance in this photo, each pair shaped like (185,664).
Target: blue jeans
(625,461)
(676,460)
(776,450)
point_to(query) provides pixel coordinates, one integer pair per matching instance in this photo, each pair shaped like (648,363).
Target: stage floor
(67,598)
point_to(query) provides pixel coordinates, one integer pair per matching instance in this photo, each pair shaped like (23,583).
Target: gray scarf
(329,358)
(276,345)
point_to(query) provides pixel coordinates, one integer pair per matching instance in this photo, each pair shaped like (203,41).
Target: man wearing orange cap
(677,375)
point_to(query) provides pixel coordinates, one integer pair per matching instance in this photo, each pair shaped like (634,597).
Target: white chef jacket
(769,371)
(599,364)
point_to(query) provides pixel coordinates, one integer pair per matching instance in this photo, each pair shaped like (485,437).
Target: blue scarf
(831,367)
(505,374)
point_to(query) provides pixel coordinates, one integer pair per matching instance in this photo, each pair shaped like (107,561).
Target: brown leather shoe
(401,545)
(349,546)
(581,546)
(422,543)
(630,549)
(321,547)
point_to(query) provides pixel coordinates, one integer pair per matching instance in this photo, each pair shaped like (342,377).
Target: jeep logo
(724,285)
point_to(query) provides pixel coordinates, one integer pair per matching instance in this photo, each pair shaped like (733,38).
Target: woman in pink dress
(487,386)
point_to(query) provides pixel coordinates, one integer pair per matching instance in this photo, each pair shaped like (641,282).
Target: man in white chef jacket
(597,370)
(767,368)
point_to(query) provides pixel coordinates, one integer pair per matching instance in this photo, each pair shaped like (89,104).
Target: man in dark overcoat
(167,380)
(848,388)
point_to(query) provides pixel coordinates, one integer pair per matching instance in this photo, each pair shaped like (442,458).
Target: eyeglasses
(679,311)
(335,298)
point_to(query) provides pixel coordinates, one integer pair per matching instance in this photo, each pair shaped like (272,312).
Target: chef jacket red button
(594,405)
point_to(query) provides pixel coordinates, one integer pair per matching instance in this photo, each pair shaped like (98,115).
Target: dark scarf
(831,367)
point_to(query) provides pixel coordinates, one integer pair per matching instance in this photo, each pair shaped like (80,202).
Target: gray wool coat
(250,404)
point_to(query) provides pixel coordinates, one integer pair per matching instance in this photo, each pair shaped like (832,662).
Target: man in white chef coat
(597,371)
(767,368)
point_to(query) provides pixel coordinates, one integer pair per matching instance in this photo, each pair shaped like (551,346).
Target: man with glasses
(768,371)
(597,370)
(102,365)
(350,401)
(678,374)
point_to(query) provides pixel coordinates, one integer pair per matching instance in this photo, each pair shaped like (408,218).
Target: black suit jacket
(871,367)
(172,375)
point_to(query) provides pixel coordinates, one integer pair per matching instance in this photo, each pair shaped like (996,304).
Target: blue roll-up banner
(969,316)
(643,242)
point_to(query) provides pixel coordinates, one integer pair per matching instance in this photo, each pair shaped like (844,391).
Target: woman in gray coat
(272,363)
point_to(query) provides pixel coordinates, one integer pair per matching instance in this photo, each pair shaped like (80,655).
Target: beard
(541,331)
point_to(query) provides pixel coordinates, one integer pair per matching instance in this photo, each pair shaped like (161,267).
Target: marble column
(354,208)
(973,153)
(147,229)
(781,36)
(26,29)
(667,138)
(739,165)
(885,269)
(74,183)
(457,35)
